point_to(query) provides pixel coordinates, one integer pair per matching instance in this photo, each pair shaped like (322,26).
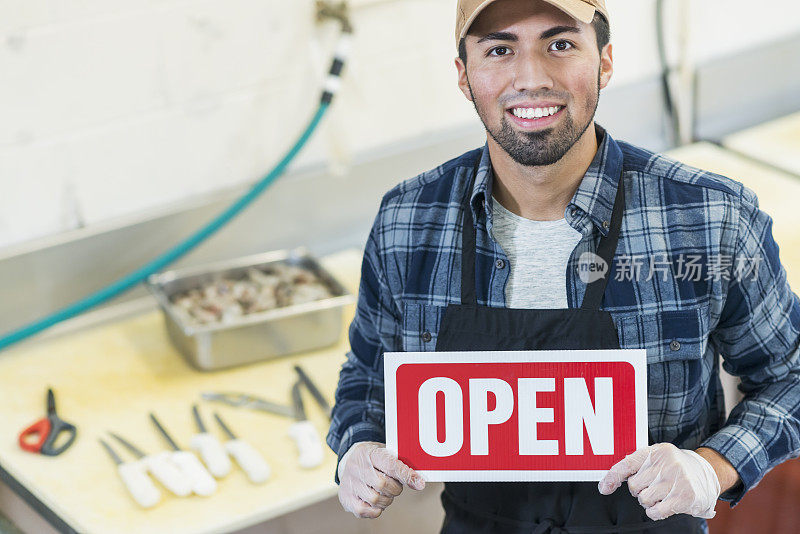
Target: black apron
(540,507)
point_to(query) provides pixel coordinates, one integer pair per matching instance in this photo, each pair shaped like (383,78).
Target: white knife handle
(168,473)
(139,485)
(212,452)
(308,443)
(249,459)
(202,482)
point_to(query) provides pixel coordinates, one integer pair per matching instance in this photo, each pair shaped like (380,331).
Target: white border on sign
(636,357)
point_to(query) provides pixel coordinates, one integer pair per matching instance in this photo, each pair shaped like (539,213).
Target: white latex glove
(666,480)
(370,477)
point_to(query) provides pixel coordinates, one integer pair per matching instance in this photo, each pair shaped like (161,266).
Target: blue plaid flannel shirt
(676,218)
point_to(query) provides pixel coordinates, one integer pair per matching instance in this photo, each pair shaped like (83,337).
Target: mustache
(534,95)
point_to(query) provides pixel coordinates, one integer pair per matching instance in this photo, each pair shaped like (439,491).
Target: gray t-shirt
(538,252)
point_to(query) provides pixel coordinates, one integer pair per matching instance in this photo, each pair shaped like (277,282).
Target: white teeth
(535,113)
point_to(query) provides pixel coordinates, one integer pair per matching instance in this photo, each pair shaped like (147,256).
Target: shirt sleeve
(758,336)
(358,412)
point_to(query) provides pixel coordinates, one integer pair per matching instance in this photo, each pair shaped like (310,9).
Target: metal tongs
(302,431)
(244,400)
(252,402)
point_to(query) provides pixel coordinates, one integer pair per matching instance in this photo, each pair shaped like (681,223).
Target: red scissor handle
(40,427)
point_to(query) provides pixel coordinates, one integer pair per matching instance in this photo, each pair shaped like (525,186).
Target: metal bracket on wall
(336,11)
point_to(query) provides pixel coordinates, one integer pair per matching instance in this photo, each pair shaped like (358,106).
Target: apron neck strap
(593,297)
(468,296)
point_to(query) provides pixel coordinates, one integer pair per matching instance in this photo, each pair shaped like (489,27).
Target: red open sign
(515,415)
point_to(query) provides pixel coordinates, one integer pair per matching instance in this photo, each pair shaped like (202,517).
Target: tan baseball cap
(583,10)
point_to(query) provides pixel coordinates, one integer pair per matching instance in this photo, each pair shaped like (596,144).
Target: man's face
(526,58)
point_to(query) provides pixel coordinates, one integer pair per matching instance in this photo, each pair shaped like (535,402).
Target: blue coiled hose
(131,280)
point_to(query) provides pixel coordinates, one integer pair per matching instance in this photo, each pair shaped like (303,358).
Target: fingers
(364,490)
(386,485)
(666,481)
(363,510)
(372,479)
(383,483)
(645,476)
(662,509)
(356,506)
(363,501)
(623,469)
(650,496)
(373,498)
(383,460)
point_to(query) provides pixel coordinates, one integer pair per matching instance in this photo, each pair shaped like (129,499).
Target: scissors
(48,430)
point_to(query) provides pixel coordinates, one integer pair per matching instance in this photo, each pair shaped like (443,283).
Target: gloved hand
(370,477)
(666,480)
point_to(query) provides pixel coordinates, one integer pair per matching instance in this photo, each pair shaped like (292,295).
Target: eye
(496,48)
(561,46)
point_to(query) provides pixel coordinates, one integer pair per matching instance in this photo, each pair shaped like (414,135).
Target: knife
(315,392)
(210,449)
(304,433)
(161,466)
(201,480)
(246,455)
(135,478)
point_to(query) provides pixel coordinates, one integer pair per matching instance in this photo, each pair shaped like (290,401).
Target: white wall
(111,107)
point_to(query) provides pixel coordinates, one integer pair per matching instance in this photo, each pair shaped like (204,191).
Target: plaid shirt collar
(594,196)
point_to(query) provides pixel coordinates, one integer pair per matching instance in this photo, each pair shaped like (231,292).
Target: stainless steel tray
(258,336)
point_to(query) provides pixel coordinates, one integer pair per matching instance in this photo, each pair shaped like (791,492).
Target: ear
(462,78)
(606,66)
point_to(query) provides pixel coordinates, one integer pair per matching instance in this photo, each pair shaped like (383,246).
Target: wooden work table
(776,142)
(109,377)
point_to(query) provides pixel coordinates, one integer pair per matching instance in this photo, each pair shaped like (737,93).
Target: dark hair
(601,29)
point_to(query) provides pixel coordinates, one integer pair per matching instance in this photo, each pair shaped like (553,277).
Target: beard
(543,147)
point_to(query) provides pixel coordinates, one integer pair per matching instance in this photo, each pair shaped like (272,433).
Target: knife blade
(164,433)
(315,392)
(128,445)
(224,427)
(114,455)
(200,426)
(297,402)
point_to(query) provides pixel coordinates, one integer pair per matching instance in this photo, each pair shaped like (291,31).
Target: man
(484,253)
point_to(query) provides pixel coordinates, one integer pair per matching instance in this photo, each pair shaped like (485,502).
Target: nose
(531,74)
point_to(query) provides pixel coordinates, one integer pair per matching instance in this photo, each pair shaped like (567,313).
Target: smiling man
(486,251)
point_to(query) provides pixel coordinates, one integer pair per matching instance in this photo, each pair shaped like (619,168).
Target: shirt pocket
(675,342)
(421,326)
